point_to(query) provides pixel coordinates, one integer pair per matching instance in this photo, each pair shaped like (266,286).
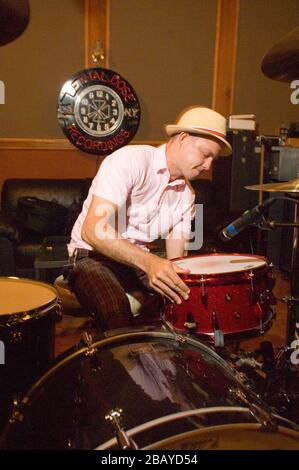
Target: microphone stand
(292,300)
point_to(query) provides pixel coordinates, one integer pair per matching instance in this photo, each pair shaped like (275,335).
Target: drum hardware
(264,417)
(264,296)
(271,376)
(15,336)
(16,414)
(87,341)
(190,324)
(179,338)
(218,334)
(204,297)
(293,300)
(219,436)
(124,441)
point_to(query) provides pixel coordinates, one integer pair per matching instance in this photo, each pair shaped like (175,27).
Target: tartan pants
(100,284)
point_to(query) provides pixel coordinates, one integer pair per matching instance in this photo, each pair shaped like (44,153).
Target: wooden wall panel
(165,49)
(35,66)
(262,24)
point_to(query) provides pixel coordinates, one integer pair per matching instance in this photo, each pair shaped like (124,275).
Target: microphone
(245,219)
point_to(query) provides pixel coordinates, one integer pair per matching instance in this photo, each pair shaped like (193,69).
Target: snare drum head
(23,295)
(221,263)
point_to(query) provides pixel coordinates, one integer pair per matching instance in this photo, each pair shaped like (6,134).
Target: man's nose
(207,164)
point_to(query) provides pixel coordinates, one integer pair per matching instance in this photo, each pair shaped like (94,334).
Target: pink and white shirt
(136,178)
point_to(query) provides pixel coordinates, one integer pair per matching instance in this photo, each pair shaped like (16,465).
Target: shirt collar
(161,168)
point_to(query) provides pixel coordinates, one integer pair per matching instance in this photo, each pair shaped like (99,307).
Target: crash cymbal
(291,186)
(14,18)
(282,60)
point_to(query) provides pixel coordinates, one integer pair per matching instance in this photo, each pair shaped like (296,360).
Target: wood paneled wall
(222,58)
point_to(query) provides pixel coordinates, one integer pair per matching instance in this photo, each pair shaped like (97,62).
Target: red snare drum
(230,294)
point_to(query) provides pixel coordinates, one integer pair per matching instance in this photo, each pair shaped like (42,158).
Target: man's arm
(100,230)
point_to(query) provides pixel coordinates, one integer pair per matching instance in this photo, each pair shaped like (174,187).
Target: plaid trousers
(100,284)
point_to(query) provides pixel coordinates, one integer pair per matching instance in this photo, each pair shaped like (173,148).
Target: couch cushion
(64,191)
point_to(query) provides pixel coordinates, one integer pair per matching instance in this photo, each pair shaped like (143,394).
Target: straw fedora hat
(202,121)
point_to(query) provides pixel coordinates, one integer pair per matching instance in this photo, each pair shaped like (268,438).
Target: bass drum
(138,378)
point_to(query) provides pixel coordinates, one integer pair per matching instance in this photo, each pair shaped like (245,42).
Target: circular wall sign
(98,111)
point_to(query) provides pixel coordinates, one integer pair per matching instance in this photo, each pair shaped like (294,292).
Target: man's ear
(182,136)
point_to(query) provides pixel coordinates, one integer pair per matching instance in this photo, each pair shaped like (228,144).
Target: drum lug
(204,297)
(253,296)
(265,296)
(87,341)
(264,417)
(262,331)
(190,324)
(58,311)
(15,336)
(124,441)
(16,415)
(179,338)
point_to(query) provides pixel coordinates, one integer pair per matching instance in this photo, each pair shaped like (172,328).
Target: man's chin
(194,176)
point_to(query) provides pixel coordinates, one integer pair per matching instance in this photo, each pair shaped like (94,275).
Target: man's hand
(163,278)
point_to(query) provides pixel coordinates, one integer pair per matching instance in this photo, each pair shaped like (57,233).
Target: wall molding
(53,144)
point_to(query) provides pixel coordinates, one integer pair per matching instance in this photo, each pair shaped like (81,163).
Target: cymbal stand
(292,300)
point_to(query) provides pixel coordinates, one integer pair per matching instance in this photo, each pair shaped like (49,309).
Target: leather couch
(24,243)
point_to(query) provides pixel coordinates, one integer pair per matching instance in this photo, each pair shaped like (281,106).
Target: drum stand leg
(293,300)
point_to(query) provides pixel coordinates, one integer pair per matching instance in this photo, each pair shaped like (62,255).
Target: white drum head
(220,264)
(23,295)
(241,436)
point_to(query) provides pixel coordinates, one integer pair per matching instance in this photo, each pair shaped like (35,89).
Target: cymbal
(291,186)
(14,19)
(282,60)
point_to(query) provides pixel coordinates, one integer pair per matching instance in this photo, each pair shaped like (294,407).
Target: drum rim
(171,418)
(280,431)
(141,428)
(206,276)
(122,337)
(9,319)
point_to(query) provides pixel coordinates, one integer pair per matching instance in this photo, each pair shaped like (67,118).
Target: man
(139,194)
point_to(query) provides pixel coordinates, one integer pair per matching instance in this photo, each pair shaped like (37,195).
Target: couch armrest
(9,228)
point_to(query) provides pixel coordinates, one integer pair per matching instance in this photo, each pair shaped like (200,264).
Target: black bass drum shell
(143,376)
(98,111)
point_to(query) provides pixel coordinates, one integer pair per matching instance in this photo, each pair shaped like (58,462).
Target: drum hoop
(123,337)
(8,320)
(201,412)
(209,276)
(173,417)
(221,428)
